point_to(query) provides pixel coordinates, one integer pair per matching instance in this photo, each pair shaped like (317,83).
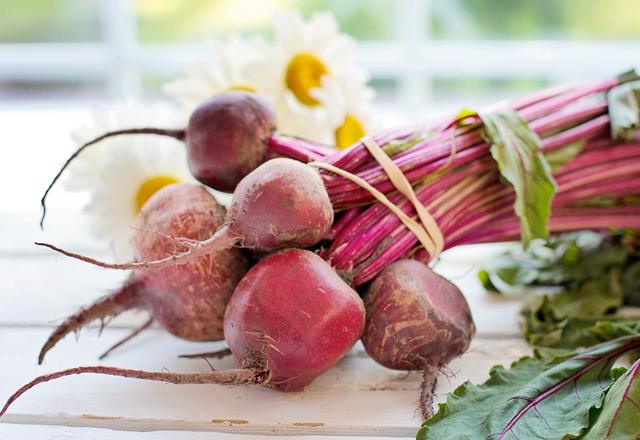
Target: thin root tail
(208,354)
(429,383)
(176,134)
(135,332)
(107,306)
(229,377)
(222,239)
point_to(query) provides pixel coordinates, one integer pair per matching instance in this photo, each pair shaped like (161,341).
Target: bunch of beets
(305,261)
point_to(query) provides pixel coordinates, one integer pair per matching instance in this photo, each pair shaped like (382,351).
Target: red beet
(290,319)
(416,320)
(226,138)
(187,300)
(281,203)
(295,316)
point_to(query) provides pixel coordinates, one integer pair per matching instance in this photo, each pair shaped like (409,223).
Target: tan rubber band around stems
(399,180)
(416,228)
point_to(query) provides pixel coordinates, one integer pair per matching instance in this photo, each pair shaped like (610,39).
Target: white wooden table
(38,289)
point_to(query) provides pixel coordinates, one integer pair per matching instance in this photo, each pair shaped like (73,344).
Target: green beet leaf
(516,149)
(536,398)
(566,319)
(619,418)
(546,330)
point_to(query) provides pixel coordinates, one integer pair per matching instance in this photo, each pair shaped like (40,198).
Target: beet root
(227,137)
(106,307)
(187,300)
(229,377)
(416,320)
(295,316)
(282,203)
(135,332)
(290,319)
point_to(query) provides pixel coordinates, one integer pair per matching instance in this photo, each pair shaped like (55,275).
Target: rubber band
(427,231)
(416,228)
(399,180)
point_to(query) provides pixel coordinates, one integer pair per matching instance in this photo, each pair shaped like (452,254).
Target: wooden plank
(44,289)
(357,397)
(66,228)
(51,432)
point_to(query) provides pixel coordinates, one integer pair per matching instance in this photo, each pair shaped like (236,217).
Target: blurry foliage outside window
(194,20)
(33,21)
(179,21)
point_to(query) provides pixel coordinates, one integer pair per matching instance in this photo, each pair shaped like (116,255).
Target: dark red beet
(227,138)
(187,300)
(416,320)
(295,316)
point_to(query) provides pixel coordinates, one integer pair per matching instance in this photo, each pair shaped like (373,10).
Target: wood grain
(357,397)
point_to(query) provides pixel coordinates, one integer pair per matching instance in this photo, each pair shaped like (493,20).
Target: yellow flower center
(348,132)
(149,187)
(242,88)
(304,73)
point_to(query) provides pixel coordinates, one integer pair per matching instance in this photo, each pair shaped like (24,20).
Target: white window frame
(413,58)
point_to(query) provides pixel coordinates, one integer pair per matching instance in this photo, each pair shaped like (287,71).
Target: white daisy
(348,107)
(205,79)
(304,53)
(121,173)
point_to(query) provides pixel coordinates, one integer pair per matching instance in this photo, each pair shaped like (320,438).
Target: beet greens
(537,397)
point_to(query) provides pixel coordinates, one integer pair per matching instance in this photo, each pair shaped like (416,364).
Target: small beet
(227,137)
(416,320)
(187,300)
(282,203)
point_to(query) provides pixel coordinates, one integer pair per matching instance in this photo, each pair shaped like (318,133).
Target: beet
(282,203)
(295,316)
(226,138)
(416,320)
(290,319)
(187,300)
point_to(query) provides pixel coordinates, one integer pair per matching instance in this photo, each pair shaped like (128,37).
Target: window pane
(28,21)
(450,94)
(547,19)
(51,90)
(194,20)
(362,19)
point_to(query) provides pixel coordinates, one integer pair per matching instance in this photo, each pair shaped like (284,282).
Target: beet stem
(429,383)
(109,305)
(230,377)
(219,241)
(219,354)
(127,338)
(176,134)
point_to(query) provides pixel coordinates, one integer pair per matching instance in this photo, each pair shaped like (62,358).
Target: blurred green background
(162,29)
(193,20)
